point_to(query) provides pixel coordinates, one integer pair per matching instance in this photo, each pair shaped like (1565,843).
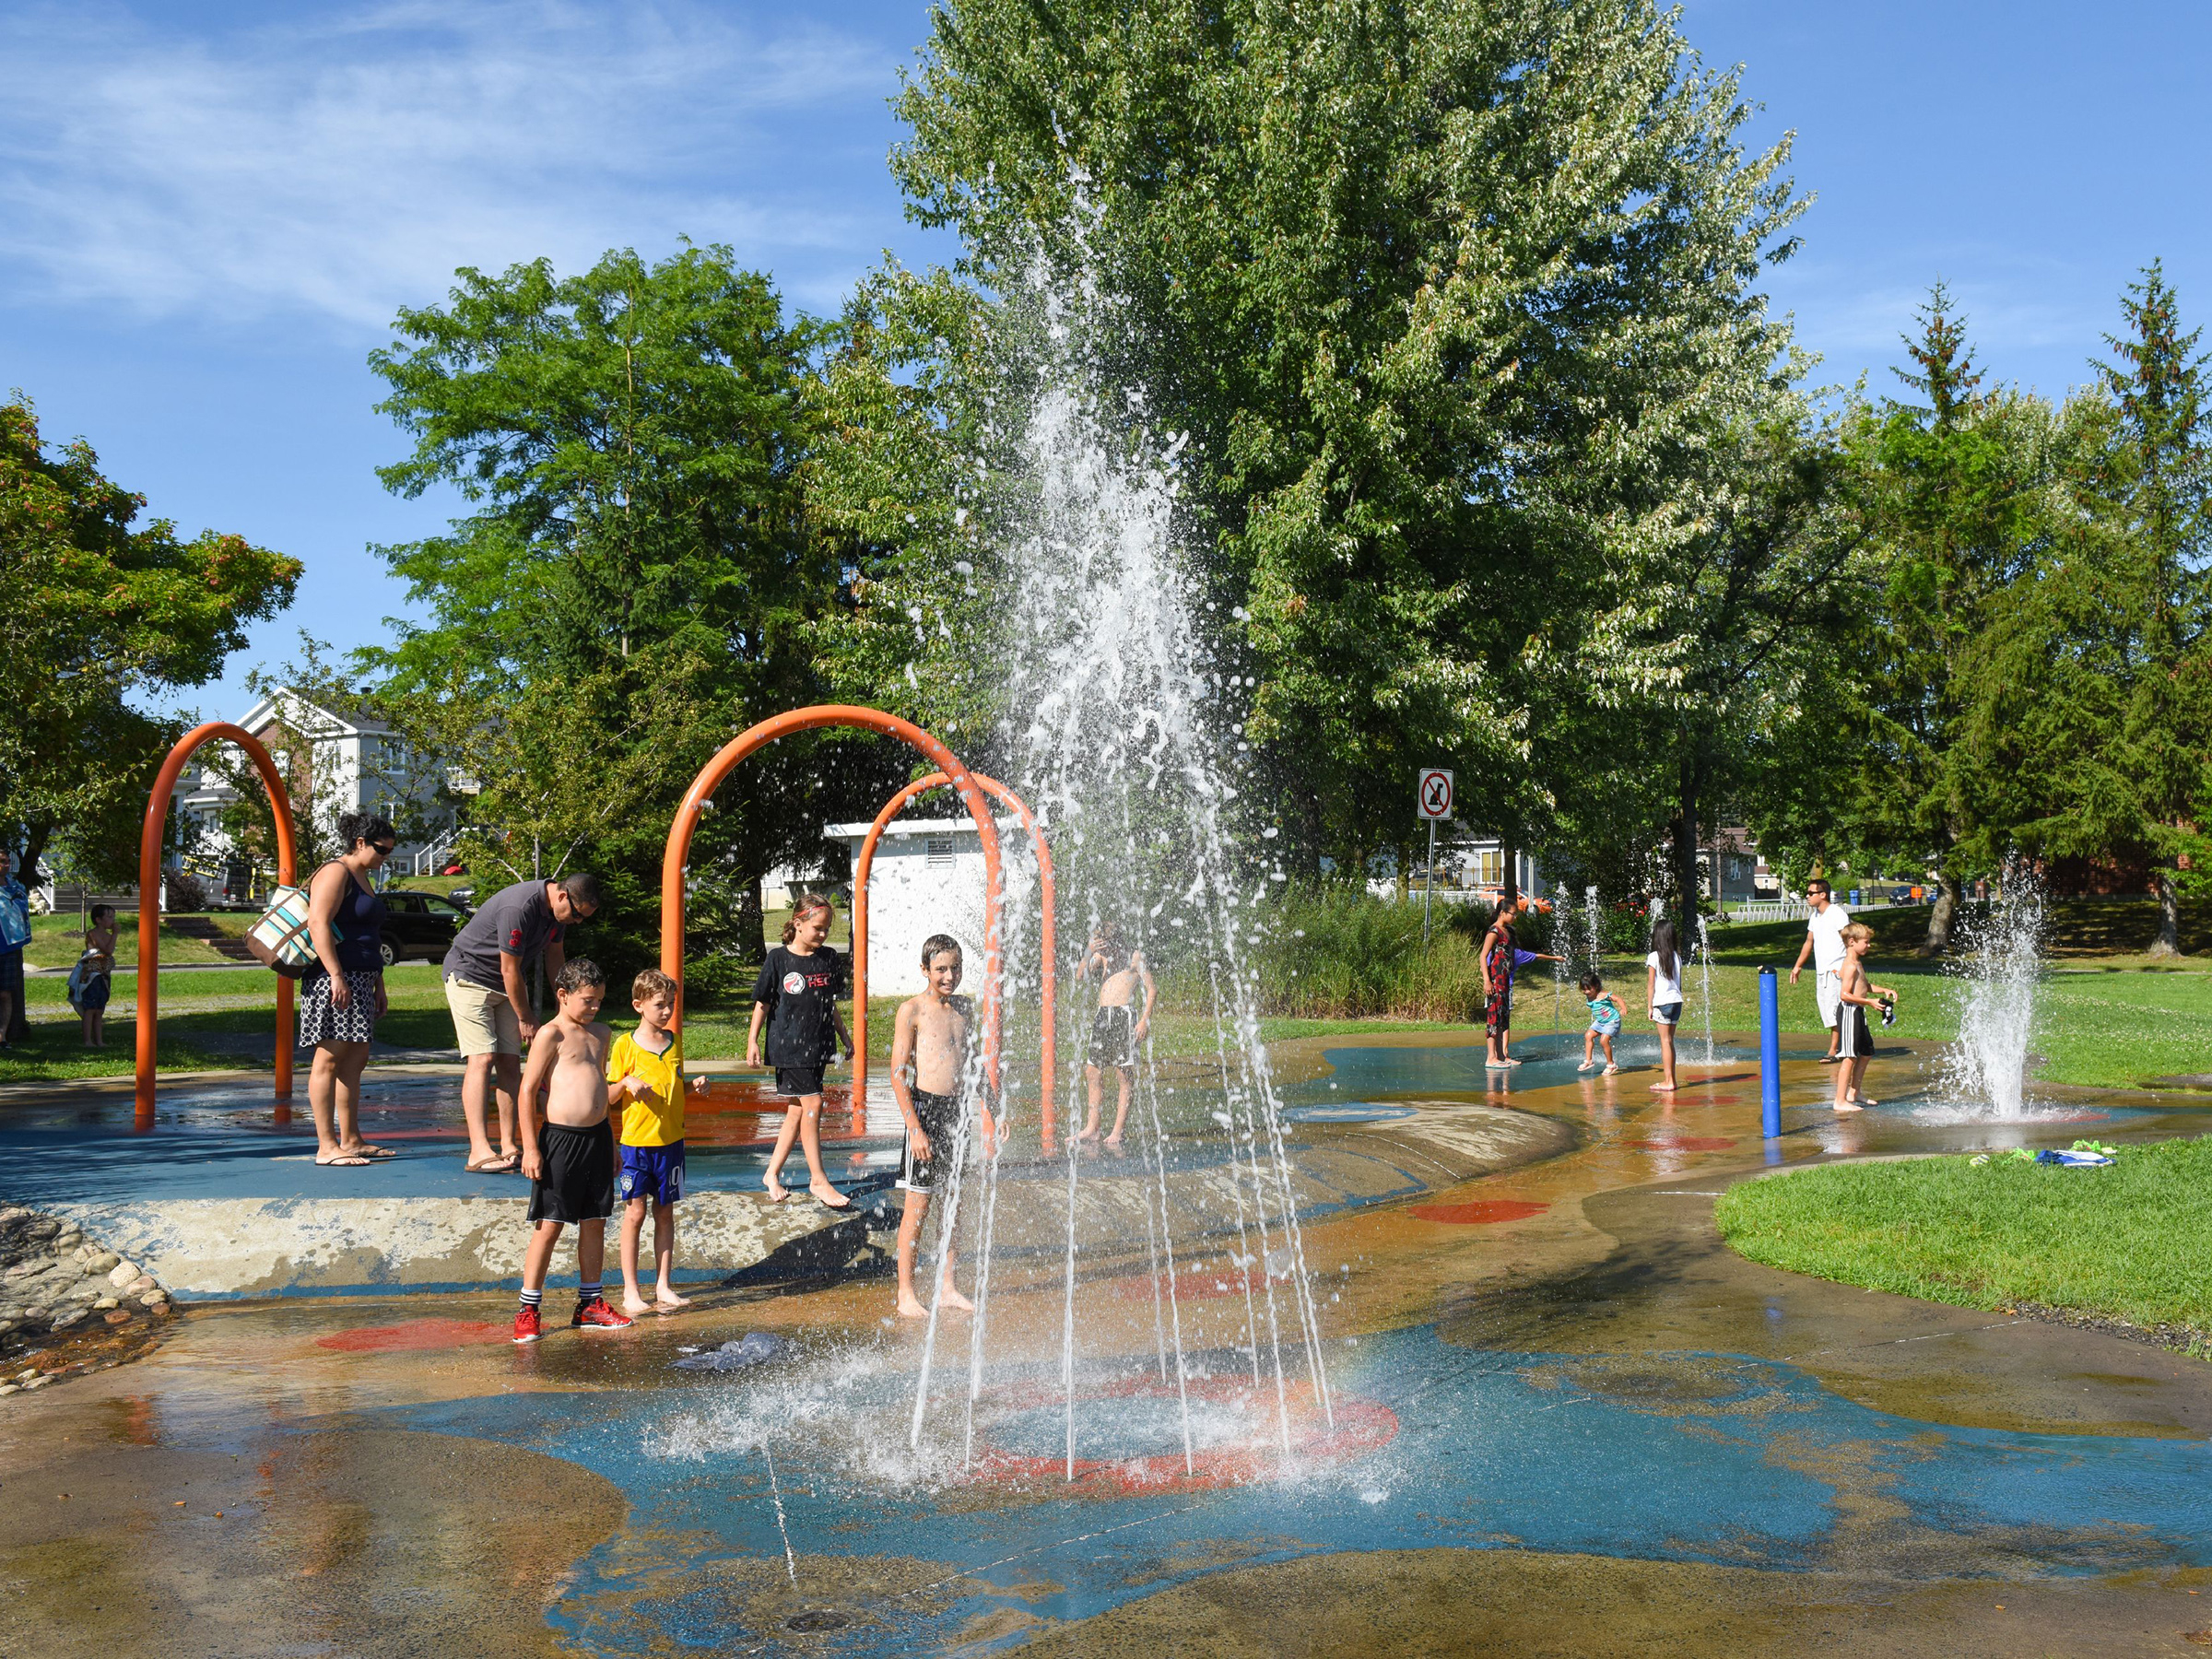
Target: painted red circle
(1360,1427)
(1479,1211)
(412,1336)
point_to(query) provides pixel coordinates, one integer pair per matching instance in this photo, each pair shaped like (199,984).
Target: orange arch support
(1048,1057)
(674,861)
(149,899)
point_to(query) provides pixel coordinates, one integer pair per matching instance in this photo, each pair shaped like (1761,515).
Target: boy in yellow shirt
(646,1067)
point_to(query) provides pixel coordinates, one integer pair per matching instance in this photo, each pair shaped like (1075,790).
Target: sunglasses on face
(383,849)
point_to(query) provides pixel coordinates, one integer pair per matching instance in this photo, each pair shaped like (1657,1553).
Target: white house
(331,763)
(929,879)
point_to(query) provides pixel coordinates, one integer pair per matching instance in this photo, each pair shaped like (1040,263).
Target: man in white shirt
(1824,944)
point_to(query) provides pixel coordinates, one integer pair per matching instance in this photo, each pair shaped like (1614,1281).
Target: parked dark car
(419,924)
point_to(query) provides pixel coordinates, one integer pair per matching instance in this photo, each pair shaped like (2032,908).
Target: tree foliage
(100,616)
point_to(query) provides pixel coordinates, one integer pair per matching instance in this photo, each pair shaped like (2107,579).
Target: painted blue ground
(1494,1450)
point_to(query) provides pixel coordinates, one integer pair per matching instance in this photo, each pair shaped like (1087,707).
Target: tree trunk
(1685,855)
(1943,915)
(2168,942)
(1404,872)
(752,920)
(1508,858)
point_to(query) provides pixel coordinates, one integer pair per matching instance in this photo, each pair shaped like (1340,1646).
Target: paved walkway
(1553,1416)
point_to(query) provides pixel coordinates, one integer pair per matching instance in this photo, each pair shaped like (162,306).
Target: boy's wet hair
(650,984)
(1591,985)
(1106,939)
(936,945)
(102,909)
(579,973)
(1858,933)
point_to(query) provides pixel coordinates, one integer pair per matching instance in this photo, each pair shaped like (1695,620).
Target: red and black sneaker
(596,1315)
(526,1327)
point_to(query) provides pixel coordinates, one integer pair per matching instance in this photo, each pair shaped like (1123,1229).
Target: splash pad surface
(1596,1383)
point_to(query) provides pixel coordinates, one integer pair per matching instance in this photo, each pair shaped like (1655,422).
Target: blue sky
(208,212)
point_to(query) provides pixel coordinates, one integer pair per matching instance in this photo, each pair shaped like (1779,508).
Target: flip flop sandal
(376,1153)
(494,1166)
(345,1160)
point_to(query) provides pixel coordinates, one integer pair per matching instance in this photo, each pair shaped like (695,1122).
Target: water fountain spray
(1997,978)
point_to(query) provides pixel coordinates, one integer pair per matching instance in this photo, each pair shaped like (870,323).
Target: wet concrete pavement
(1566,1420)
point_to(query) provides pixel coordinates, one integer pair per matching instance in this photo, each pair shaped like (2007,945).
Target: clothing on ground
(321,1019)
(516,921)
(801,995)
(655,1119)
(940,1116)
(579,1181)
(654,1173)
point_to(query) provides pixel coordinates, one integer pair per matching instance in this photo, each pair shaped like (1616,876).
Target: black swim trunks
(579,1181)
(1854,1038)
(1113,1036)
(796,1080)
(940,1119)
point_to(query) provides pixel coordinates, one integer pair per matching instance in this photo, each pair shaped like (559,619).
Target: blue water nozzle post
(1770,1053)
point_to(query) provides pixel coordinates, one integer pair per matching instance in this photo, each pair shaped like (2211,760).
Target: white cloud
(342,163)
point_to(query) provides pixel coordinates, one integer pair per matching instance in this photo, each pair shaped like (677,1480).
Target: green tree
(1958,494)
(640,581)
(2157,488)
(99,615)
(1453,301)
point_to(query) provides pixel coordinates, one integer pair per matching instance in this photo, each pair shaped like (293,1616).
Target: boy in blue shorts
(646,1070)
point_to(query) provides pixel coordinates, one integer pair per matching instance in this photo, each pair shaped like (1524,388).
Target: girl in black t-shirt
(795,999)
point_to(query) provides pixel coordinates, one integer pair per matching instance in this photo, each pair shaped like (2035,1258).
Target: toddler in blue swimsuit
(1605,1023)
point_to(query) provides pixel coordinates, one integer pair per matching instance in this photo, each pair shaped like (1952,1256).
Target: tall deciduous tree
(1453,301)
(639,579)
(96,609)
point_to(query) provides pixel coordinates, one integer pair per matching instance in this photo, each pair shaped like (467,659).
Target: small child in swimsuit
(569,1158)
(1117,1028)
(1605,1023)
(92,983)
(930,1041)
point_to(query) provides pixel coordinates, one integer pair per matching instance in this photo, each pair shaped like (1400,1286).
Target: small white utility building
(929,879)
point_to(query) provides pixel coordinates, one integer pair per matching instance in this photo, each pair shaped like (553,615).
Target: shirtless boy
(570,1158)
(1118,1026)
(929,1046)
(1854,1040)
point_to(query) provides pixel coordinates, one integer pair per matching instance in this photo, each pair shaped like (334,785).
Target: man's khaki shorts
(484,1021)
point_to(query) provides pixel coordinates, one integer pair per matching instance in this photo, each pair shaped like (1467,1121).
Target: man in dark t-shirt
(487,989)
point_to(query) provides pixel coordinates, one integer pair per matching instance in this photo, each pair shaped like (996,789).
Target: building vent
(940,852)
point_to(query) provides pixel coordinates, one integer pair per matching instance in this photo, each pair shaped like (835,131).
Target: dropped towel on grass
(756,1347)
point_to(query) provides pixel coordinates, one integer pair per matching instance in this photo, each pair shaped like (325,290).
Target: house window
(1489,868)
(940,852)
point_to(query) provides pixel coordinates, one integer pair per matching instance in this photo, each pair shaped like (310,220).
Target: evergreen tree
(2157,493)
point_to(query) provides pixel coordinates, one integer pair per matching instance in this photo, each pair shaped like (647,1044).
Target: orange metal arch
(677,857)
(149,899)
(1048,1055)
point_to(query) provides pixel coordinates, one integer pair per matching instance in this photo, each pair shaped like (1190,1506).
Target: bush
(1338,953)
(186,893)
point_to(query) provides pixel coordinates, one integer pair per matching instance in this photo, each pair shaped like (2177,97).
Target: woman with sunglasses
(342,997)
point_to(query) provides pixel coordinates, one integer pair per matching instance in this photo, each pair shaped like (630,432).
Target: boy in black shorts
(930,1041)
(571,1156)
(1117,1028)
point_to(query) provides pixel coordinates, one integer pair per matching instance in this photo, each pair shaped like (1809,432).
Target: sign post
(1432,800)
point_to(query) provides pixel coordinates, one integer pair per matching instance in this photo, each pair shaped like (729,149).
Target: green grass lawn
(57,941)
(2126,1242)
